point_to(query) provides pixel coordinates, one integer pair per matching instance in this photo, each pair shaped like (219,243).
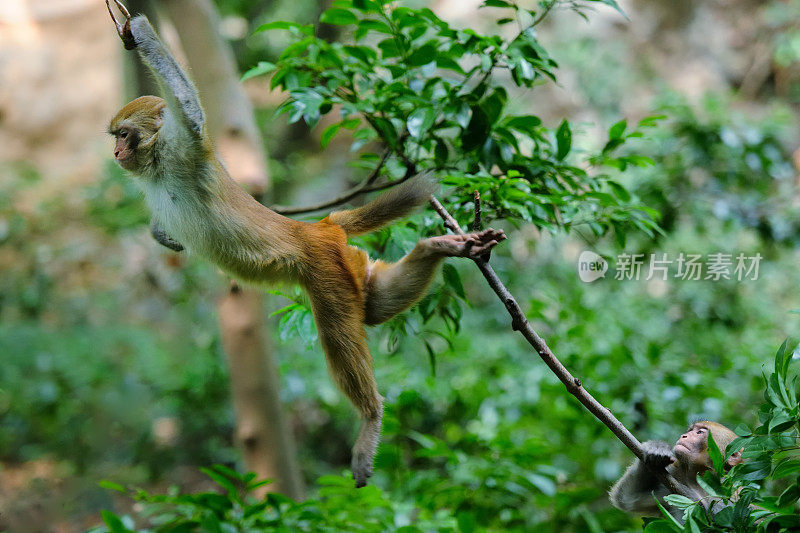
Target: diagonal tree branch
(573,384)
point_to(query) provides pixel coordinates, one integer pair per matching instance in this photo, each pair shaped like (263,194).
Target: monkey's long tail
(391,205)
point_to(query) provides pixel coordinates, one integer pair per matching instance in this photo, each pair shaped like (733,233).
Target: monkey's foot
(362,468)
(471,245)
(366,444)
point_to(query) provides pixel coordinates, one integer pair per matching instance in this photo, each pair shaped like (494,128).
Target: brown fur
(144,112)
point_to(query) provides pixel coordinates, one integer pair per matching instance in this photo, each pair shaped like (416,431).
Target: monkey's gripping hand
(124,29)
(657,454)
(634,490)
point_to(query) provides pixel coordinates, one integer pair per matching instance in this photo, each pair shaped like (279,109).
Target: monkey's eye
(123,134)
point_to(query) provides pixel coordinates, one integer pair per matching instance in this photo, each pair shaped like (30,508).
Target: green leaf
(789,496)
(423,55)
(447,62)
(389,48)
(453,280)
(612,145)
(662,526)
(367,5)
(716,455)
(611,3)
(364,54)
(524,124)
(563,140)
(113,522)
(781,422)
(338,16)
(742,507)
(525,69)
(374,25)
(494,103)
(477,130)
(679,501)
(786,468)
(386,130)
(755,470)
(670,520)
(263,67)
(651,121)
(335,481)
(782,359)
(498,3)
(619,191)
(305,29)
(110,485)
(616,131)
(222,481)
(463,115)
(543,483)
(420,121)
(441,152)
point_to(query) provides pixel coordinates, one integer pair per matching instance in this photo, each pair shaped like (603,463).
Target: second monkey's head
(691,449)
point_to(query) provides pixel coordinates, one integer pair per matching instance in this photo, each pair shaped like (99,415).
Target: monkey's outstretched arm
(180,92)
(634,490)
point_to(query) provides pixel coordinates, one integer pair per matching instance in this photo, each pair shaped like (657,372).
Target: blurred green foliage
(771,451)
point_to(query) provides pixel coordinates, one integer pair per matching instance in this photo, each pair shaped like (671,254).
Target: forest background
(112,359)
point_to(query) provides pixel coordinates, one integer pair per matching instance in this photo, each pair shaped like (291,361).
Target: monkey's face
(125,150)
(692,446)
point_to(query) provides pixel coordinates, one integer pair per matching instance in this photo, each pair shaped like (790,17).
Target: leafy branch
(426,93)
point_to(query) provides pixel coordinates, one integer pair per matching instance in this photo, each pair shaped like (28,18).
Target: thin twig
(361,188)
(544,13)
(573,385)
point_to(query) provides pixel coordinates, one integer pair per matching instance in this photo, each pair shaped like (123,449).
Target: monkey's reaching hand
(196,205)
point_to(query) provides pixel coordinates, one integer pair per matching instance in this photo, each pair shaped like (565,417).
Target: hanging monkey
(635,490)
(196,205)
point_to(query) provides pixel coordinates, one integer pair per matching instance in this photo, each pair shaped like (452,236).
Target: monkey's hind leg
(339,314)
(392,288)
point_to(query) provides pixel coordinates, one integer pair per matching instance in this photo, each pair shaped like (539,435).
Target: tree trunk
(261,431)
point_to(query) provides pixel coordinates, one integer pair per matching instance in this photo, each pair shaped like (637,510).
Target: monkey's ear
(158,110)
(733,460)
